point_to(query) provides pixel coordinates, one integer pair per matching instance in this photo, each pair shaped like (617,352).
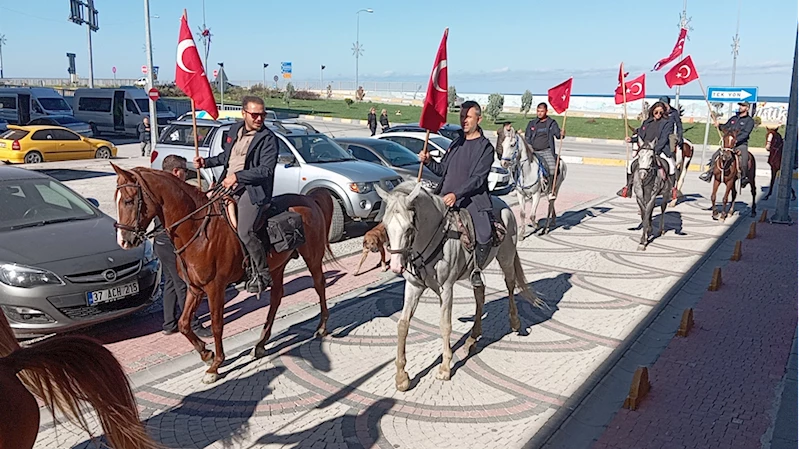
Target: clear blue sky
(519,45)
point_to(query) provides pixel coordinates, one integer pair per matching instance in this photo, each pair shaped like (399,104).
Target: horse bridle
(409,258)
(136,229)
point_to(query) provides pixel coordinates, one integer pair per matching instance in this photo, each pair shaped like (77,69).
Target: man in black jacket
(744,124)
(540,134)
(249,158)
(464,180)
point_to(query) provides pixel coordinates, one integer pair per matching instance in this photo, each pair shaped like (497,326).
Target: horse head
(728,145)
(772,135)
(646,155)
(399,220)
(510,148)
(136,208)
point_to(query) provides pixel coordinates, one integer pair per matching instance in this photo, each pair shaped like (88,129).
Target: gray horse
(648,184)
(426,249)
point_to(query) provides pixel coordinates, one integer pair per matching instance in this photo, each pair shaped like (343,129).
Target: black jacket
(553,130)
(475,188)
(258,176)
(384,121)
(144,133)
(744,125)
(675,121)
(662,133)
(372,120)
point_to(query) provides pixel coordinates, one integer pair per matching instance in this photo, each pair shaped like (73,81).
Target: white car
(498,178)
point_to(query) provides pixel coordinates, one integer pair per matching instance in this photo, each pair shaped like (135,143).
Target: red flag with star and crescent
(190,74)
(560,95)
(682,73)
(636,90)
(676,52)
(434,111)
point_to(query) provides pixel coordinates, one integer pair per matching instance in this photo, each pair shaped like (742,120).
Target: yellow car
(34,144)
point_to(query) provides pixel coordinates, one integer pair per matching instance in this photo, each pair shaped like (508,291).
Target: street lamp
(221,78)
(357,50)
(265,66)
(321,72)
(150,83)
(2,42)
(736,45)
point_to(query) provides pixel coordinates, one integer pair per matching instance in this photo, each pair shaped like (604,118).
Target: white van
(117,110)
(19,105)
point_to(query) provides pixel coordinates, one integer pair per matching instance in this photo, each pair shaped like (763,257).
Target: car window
(415,145)
(183,135)
(396,154)
(364,154)
(43,134)
(14,134)
(8,102)
(441,141)
(54,104)
(90,104)
(63,134)
(283,149)
(65,120)
(131,106)
(318,148)
(37,202)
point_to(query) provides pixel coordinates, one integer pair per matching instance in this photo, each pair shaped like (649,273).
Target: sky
(504,48)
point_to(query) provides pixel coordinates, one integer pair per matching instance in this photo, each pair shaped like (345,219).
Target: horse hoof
(258,352)
(403,381)
(443,375)
(471,346)
(641,247)
(515,324)
(210,378)
(320,333)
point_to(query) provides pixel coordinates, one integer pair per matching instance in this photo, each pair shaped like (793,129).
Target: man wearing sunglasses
(249,156)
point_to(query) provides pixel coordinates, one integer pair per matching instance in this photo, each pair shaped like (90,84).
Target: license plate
(113,293)
(2,144)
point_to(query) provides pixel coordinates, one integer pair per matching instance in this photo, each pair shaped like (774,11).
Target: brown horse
(64,372)
(774,144)
(209,252)
(725,170)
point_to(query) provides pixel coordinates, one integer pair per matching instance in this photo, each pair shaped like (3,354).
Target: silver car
(307,161)
(60,265)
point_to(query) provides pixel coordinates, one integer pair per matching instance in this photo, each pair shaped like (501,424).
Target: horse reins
(410,258)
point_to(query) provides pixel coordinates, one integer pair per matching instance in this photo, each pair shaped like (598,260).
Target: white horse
(525,170)
(426,249)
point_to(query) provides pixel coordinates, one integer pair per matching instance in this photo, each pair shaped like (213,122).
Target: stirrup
(476,279)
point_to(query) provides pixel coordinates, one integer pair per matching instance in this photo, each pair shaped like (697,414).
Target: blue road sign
(731,94)
(285,67)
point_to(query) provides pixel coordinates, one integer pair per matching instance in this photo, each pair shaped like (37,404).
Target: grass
(597,128)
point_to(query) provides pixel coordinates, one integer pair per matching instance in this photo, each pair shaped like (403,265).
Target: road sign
(732,94)
(285,68)
(153,94)
(114,69)
(275,78)
(216,73)
(144,69)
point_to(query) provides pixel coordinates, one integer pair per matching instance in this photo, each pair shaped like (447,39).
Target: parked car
(449,131)
(392,155)
(306,162)
(19,105)
(67,121)
(117,111)
(498,177)
(35,144)
(60,265)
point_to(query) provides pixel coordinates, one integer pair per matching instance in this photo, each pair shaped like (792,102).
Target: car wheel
(102,153)
(337,223)
(33,157)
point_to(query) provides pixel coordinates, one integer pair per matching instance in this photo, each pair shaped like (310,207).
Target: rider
(675,127)
(464,177)
(656,126)
(540,135)
(744,124)
(502,133)
(249,156)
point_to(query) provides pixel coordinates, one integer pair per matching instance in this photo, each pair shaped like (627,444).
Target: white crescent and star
(436,72)
(680,42)
(564,95)
(640,88)
(687,71)
(184,45)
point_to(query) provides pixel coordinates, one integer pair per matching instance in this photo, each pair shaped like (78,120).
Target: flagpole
(557,159)
(424,150)
(196,144)
(626,126)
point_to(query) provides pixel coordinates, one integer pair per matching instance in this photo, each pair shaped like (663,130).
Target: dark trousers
(744,149)
(174,287)
(373,129)
(248,214)
(482,224)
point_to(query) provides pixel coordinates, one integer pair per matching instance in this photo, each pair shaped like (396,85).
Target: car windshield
(144,105)
(441,141)
(319,148)
(65,120)
(394,153)
(39,202)
(54,104)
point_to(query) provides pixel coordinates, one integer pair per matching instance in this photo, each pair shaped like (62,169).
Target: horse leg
(725,200)
(752,174)
(522,214)
(771,184)
(445,324)
(715,190)
(319,285)
(193,296)
(534,207)
(275,298)
(505,259)
(216,304)
(663,204)
(551,217)
(412,295)
(477,327)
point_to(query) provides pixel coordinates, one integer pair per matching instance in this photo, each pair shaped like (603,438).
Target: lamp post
(150,83)
(221,79)
(2,42)
(356,49)
(321,72)
(265,66)
(736,45)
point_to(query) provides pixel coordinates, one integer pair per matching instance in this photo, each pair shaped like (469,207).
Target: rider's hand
(449,199)
(628,139)
(230,181)
(424,156)
(562,133)
(199,162)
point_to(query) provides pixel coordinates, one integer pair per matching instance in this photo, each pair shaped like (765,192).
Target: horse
(650,181)
(683,155)
(774,144)
(426,248)
(525,170)
(56,371)
(209,251)
(725,170)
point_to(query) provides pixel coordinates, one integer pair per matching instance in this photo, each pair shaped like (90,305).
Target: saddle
(465,230)
(283,228)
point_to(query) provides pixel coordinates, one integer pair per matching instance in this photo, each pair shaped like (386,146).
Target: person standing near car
(384,120)
(371,120)
(144,136)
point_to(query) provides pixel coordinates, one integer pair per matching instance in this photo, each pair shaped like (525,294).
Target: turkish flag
(434,111)
(676,52)
(682,73)
(622,73)
(560,95)
(189,73)
(636,90)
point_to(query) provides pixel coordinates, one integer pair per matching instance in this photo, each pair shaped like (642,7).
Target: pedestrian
(744,124)
(174,297)
(464,181)
(384,120)
(371,120)
(540,134)
(144,136)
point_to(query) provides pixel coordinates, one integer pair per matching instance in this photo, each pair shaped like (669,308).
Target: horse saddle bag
(285,230)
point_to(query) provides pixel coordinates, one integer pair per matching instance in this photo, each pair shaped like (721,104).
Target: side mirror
(286,159)
(94,202)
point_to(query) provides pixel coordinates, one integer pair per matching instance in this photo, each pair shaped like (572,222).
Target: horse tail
(66,371)
(325,202)
(521,283)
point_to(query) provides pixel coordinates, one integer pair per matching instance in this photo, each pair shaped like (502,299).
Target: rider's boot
(627,190)
(481,252)
(707,175)
(260,278)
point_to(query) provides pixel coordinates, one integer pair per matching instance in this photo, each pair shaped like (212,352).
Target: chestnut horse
(774,144)
(64,373)
(210,255)
(725,170)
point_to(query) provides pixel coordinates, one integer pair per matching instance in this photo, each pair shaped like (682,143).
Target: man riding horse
(655,128)
(464,179)
(540,134)
(744,124)
(249,156)
(675,125)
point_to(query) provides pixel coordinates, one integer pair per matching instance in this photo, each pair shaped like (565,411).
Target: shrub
(527,102)
(495,105)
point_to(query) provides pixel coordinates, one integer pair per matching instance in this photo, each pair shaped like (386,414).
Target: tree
(452,97)
(527,102)
(495,105)
(288,94)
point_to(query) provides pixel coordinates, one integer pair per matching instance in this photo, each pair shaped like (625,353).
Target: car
(449,131)
(60,265)
(389,154)
(306,162)
(67,121)
(42,143)
(498,177)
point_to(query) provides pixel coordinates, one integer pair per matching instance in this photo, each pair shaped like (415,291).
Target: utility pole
(205,37)
(90,19)
(683,25)
(2,42)
(221,78)
(322,79)
(357,50)
(782,213)
(265,66)
(736,45)
(150,74)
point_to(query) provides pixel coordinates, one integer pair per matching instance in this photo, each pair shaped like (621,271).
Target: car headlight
(362,187)
(149,254)
(428,184)
(499,170)
(26,277)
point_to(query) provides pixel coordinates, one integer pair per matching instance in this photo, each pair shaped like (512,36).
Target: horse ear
(415,192)
(380,192)
(124,174)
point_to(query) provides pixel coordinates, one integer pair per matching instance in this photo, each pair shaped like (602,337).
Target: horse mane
(407,187)
(191,191)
